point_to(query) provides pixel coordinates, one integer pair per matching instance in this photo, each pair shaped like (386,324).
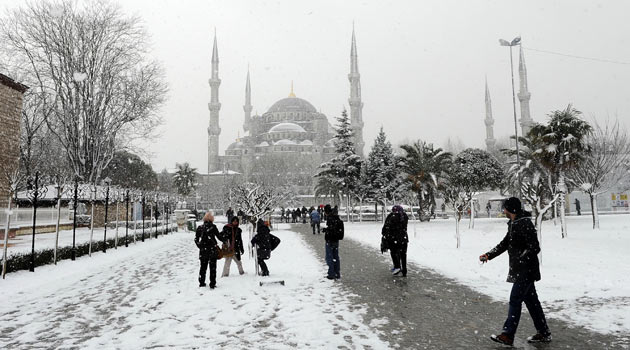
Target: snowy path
(426,310)
(146,296)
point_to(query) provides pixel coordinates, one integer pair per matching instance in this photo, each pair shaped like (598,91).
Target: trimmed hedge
(22,261)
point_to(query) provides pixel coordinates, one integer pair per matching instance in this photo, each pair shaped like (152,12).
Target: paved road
(428,311)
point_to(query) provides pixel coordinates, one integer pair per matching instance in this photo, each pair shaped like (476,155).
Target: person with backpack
(206,238)
(521,243)
(234,238)
(394,238)
(315,220)
(333,233)
(265,242)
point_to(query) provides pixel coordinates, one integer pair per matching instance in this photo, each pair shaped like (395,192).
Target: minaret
(356,106)
(524,96)
(490,141)
(247,107)
(214,106)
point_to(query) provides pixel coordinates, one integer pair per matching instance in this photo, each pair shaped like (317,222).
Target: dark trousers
(313,224)
(332,259)
(205,260)
(263,267)
(399,257)
(524,292)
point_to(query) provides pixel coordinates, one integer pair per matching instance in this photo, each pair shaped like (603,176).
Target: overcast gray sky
(422,63)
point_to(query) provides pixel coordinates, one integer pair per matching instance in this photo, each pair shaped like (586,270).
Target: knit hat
(513,205)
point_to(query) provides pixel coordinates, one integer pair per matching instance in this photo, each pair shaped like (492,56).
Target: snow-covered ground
(147,296)
(585,277)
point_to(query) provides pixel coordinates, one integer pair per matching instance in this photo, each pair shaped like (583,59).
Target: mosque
(292,127)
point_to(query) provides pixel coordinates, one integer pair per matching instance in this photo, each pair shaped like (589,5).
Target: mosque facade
(292,127)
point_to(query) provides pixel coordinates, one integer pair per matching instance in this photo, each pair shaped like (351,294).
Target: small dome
(235,145)
(262,144)
(306,143)
(330,143)
(292,104)
(284,142)
(283,127)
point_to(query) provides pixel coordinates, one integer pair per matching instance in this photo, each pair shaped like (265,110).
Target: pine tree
(343,171)
(381,168)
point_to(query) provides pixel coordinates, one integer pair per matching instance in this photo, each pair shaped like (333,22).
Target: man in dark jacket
(522,246)
(232,233)
(206,238)
(265,242)
(395,239)
(333,232)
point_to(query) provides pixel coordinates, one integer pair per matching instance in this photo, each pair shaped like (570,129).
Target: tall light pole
(516,41)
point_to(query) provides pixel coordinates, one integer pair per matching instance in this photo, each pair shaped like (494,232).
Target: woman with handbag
(234,247)
(206,238)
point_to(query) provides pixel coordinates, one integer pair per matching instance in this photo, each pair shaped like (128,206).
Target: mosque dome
(306,143)
(235,145)
(330,143)
(263,144)
(286,127)
(292,104)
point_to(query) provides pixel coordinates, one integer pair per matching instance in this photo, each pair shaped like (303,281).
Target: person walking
(578,207)
(230,214)
(206,238)
(488,208)
(233,235)
(315,220)
(333,233)
(523,247)
(394,238)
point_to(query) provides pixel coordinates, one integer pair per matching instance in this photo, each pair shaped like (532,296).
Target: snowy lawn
(147,296)
(585,277)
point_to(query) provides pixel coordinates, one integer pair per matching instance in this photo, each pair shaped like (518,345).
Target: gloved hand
(484,258)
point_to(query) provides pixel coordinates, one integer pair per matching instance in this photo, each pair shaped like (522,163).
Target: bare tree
(605,165)
(88,64)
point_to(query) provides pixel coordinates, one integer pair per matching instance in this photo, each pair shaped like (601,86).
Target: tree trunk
(6,239)
(471,223)
(375,210)
(360,211)
(92,221)
(561,185)
(457,219)
(594,210)
(57,229)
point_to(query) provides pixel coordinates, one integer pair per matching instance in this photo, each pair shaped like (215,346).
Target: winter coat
(315,218)
(237,243)
(262,240)
(333,232)
(521,243)
(206,238)
(395,230)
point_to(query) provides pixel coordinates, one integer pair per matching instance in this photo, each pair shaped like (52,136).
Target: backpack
(273,242)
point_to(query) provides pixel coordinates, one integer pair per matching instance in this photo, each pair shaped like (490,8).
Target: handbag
(225,251)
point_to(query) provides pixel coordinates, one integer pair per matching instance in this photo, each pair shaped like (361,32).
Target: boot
(503,339)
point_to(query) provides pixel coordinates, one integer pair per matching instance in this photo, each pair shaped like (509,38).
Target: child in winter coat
(265,242)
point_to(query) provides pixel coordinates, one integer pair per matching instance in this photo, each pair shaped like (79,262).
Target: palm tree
(564,142)
(184,179)
(424,167)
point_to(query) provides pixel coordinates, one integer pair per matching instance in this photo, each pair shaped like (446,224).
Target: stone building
(291,131)
(11,94)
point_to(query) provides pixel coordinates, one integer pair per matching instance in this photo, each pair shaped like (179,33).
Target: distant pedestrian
(229,213)
(578,208)
(488,208)
(206,238)
(315,220)
(333,233)
(394,238)
(523,247)
(304,214)
(265,242)
(232,233)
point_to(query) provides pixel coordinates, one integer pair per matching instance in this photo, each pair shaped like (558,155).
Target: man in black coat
(395,239)
(333,233)
(265,242)
(206,238)
(521,243)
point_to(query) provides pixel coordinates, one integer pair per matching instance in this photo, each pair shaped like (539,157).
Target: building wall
(10,111)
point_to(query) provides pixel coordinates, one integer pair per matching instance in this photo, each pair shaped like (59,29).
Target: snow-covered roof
(263,144)
(284,127)
(235,145)
(306,143)
(226,172)
(284,142)
(330,143)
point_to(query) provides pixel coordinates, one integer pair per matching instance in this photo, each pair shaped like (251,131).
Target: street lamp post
(516,41)
(106,181)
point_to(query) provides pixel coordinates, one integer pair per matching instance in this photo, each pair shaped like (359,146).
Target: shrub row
(22,261)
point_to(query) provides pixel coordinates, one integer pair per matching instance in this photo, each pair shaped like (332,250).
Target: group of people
(207,238)
(520,242)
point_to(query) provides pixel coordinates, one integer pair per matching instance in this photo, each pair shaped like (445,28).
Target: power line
(575,56)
